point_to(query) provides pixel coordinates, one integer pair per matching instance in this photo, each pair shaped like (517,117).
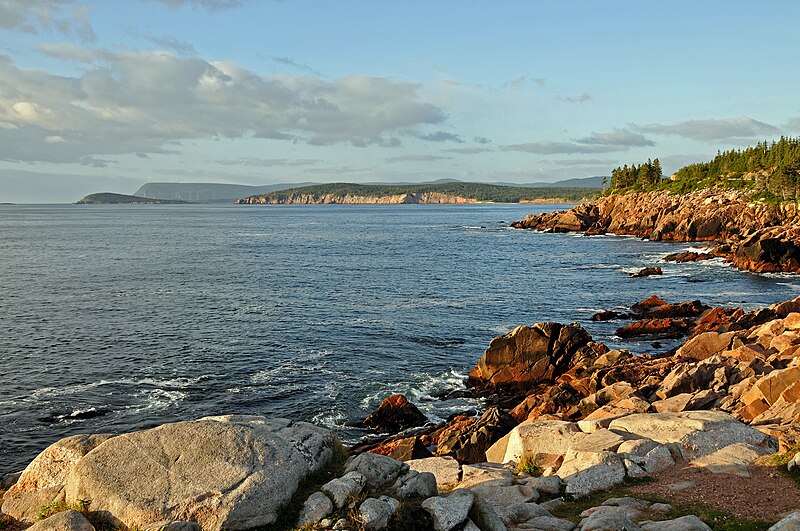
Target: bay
(117,318)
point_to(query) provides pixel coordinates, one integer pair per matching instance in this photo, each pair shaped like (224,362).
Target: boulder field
(752,236)
(571,419)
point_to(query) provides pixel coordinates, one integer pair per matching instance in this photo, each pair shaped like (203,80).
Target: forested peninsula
(744,203)
(108,198)
(437,193)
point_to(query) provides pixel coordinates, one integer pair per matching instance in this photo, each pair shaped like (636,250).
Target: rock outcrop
(349,199)
(395,414)
(527,356)
(234,472)
(750,235)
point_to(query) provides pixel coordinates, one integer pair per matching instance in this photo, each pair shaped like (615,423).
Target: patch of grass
(99,519)
(309,486)
(410,516)
(784,458)
(715,518)
(528,465)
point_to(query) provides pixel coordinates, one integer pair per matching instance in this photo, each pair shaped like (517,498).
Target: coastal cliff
(752,236)
(436,198)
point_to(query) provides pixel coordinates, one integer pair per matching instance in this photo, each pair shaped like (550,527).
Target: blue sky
(107,95)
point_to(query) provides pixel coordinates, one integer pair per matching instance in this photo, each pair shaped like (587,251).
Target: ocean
(118,318)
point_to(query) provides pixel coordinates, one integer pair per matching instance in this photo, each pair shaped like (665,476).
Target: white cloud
(211,5)
(715,129)
(149,101)
(416,158)
(468,150)
(441,136)
(35,16)
(577,99)
(617,140)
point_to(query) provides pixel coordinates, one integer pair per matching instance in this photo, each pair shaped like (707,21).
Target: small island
(108,198)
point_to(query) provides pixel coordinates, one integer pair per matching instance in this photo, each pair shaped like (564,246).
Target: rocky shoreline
(752,236)
(427,198)
(575,435)
(572,419)
(412,198)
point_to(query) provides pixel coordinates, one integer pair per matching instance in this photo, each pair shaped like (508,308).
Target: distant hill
(585,182)
(228,193)
(207,192)
(108,198)
(449,192)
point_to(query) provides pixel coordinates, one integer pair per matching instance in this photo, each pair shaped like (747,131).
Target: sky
(106,95)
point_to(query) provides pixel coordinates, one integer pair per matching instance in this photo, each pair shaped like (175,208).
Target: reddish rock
(688,256)
(751,235)
(395,414)
(717,320)
(665,328)
(653,301)
(683,309)
(608,316)
(469,445)
(647,272)
(410,448)
(458,423)
(528,356)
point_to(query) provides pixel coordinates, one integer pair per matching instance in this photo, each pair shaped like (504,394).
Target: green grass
(309,486)
(528,465)
(99,519)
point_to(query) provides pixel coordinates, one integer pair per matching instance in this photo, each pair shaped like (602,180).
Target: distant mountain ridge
(225,193)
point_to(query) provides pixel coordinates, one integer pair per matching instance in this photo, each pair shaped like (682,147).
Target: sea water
(118,318)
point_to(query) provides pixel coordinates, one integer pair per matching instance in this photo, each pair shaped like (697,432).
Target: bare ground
(768,494)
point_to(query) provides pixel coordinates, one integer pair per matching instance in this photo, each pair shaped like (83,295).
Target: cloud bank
(617,140)
(148,102)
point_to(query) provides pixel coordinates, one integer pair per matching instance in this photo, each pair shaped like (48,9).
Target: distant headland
(108,198)
(432,193)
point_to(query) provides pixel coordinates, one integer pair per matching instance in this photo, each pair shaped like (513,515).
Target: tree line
(769,169)
(642,177)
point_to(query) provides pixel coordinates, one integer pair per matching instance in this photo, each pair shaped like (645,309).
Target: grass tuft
(528,465)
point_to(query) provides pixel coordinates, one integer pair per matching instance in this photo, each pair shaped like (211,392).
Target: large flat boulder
(42,482)
(588,472)
(231,472)
(533,438)
(698,433)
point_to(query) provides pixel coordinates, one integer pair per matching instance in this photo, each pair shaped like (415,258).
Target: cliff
(456,192)
(349,199)
(753,236)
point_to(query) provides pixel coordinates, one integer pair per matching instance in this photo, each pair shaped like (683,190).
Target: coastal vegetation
(108,198)
(476,191)
(768,171)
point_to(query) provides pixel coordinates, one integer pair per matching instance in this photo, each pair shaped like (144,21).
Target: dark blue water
(117,318)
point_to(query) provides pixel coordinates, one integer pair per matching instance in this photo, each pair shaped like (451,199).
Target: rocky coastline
(413,198)
(574,435)
(571,420)
(751,235)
